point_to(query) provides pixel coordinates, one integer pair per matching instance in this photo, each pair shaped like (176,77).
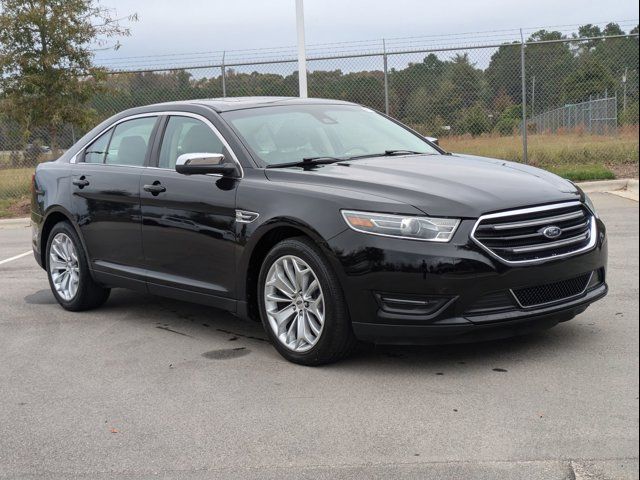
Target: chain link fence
(553,102)
(596,116)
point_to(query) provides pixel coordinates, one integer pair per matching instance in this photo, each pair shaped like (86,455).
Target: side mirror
(432,140)
(204,164)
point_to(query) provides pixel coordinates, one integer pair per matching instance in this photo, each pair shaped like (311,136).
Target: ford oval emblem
(552,232)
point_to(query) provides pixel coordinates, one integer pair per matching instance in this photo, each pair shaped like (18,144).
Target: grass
(572,155)
(14,207)
(15,187)
(582,173)
(15,182)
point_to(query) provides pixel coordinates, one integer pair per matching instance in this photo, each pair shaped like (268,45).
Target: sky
(185,26)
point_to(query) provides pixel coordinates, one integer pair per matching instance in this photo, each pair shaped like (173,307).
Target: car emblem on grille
(552,232)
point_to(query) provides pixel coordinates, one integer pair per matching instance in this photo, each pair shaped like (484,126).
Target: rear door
(188,225)
(106,197)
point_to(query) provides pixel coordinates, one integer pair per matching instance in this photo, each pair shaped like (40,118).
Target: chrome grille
(518,236)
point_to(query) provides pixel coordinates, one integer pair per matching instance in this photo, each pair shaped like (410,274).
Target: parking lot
(147,387)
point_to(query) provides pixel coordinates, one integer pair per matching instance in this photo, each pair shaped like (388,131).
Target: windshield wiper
(311,161)
(387,153)
(390,153)
(306,162)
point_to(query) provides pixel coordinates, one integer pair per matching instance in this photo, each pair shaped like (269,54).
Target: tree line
(433,94)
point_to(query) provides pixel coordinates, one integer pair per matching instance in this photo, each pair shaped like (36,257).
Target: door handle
(81,182)
(154,189)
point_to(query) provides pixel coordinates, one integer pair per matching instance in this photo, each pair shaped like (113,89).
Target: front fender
(251,237)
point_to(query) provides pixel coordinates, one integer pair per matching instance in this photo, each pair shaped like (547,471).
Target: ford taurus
(325,220)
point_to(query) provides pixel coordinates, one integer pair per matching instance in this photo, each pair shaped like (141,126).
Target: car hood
(441,185)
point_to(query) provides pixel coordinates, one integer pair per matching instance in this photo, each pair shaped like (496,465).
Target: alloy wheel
(64,267)
(294,303)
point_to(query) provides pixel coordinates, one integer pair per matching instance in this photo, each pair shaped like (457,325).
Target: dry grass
(15,207)
(15,187)
(572,154)
(15,182)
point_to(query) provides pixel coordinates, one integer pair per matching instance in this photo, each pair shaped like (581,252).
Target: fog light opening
(411,305)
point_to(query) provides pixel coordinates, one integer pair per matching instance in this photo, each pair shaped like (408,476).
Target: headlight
(589,203)
(409,227)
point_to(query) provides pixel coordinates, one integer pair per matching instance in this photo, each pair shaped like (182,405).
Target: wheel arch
(262,240)
(55,215)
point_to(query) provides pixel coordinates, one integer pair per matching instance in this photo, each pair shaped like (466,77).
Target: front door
(106,197)
(188,221)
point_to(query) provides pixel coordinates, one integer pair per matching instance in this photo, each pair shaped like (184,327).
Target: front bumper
(460,271)
(463,330)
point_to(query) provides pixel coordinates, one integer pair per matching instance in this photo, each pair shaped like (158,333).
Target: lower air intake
(552,292)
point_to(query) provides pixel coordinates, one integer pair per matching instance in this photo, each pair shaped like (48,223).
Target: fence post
(615,103)
(224,75)
(525,156)
(386,77)
(590,115)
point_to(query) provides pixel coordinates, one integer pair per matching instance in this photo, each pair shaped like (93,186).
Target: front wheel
(302,305)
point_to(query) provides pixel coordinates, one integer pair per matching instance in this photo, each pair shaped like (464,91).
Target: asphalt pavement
(146,387)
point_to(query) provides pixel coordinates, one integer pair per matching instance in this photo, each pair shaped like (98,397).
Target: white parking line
(16,257)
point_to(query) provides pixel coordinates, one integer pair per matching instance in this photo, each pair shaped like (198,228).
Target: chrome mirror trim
(200,159)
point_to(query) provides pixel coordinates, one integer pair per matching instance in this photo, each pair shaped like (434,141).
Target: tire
(64,250)
(312,346)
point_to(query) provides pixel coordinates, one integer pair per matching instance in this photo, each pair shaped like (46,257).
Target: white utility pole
(302,55)
(525,150)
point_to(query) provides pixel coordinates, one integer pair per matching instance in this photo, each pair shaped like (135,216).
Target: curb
(15,222)
(625,187)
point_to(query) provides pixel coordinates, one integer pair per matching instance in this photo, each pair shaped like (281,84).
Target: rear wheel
(68,271)
(302,306)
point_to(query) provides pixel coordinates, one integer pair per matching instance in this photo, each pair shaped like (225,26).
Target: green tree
(587,31)
(47,47)
(503,73)
(612,29)
(463,83)
(509,121)
(420,80)
(549,63)
(591,78)
(475,120)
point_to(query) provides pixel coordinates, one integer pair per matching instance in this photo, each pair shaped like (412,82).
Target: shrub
(475,121)
(509,120)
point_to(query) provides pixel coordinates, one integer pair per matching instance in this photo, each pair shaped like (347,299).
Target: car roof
(240,103)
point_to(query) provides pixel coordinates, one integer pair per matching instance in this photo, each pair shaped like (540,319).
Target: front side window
(95,152)
(282,134)
(186,135)
(129,142)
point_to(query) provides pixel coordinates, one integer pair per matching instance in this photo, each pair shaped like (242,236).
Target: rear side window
(129,142)
(96,151)
(186,135)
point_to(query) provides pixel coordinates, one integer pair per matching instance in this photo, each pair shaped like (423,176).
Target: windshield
(283,134)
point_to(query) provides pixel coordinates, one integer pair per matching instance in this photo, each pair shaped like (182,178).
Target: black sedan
(326,220)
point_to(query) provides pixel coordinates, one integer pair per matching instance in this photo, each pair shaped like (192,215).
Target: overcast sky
(184,26)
